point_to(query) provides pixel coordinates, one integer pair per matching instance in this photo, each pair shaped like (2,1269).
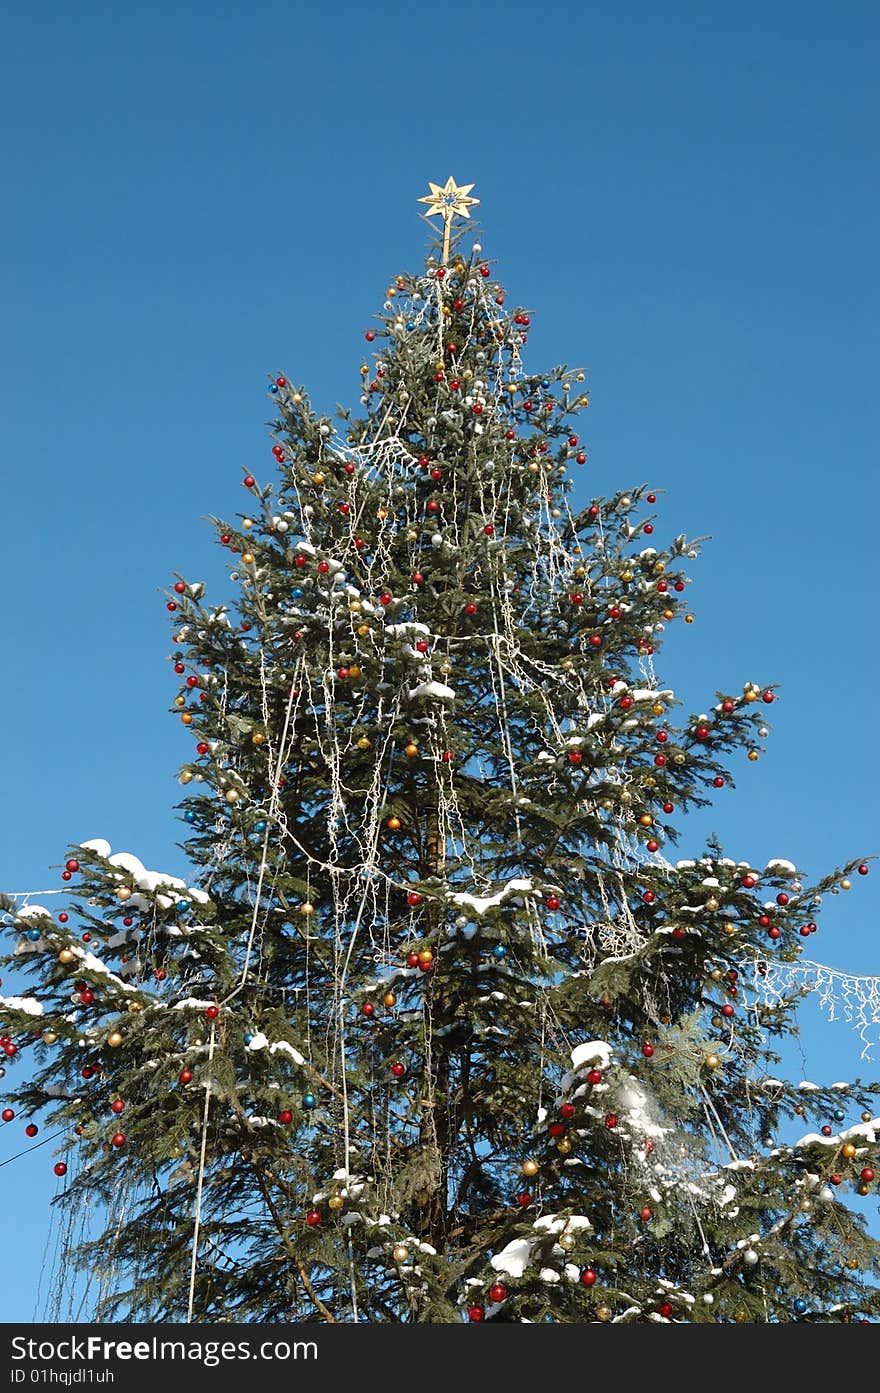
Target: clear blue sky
(193,195)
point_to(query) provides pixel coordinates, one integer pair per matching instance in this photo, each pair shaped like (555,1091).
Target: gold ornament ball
(659,567)
(180,701)
(393,824)
(658,709)
(363,630)
(716,974)
(650,781)
(646,820)
(805,1205)
(411,750)
(563,1146)
(247,558)
(689,619)
(258,738)
(603,1313)
(49,1037)
(399,1253)
(740,1317)
(530,1167)
(355,671)
(534,468)
(567,1242)
(412,535)
(863,1189)
(318,479)
(307,909)
(846,885)
(712,1061)
(363,743)
(626,576)
(66,955)
(389,999)
(134,1007)
(848,1150)
(580,572)
(247,523)
(123,893)
(866,1117)
(750,695)
(753,755)
(186,718)
(669,614)
(335,1202)
(711,904)
(800,1109)
(678,758)
(232,795)
(355,606)
(186,776)
(114,1039)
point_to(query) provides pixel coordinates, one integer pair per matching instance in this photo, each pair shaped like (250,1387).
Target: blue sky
(196,195)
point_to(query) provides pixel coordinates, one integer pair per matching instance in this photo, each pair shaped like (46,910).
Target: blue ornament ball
(839,1115)
(182,906)
(274,389)
(248,1037)
(33,935)
(189,815)
(297,592)
(499,951)
(260,826)
(309,1100)
(800,1305)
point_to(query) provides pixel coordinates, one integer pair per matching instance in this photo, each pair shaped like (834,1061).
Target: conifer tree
(436,1029)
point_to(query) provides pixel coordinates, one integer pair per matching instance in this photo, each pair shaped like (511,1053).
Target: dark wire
(36,1146)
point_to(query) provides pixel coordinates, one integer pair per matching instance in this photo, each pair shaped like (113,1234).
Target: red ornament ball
(668,808)
(768,697)
(369,336)
(118,1139)
(470,608)
(653,846)
(863,870)
(718,782)
(588,1277)
(646,1214)
(782,898)
(7,1114)
(71,865)
(398,1069)
(117,1106)
(63,917)
(553,903)
(556,1129)
(285,1117)
(476,1314)
(648,1049)
(611,1121)
(498,1292)
(594,1076)
(524,1199)
(567,1110)
(702,732)
(665,1310)
(65,875)
(867,1175)
(31,1129)
(368,1009)
(313,1218)
(60,1168)
(185,1076)
(727,1010)
(575,757)
(212,1012)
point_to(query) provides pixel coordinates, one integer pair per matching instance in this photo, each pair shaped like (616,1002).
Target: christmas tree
(436,1030)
